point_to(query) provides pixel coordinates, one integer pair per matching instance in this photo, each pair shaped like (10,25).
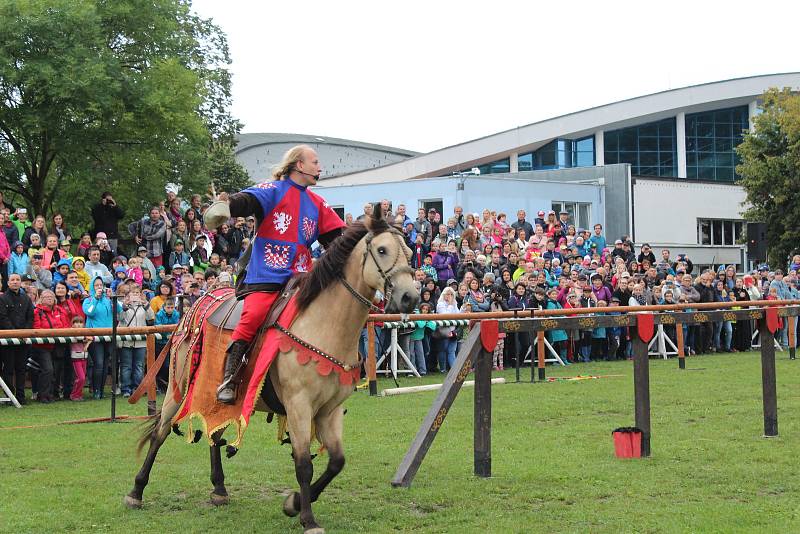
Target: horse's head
(385,264)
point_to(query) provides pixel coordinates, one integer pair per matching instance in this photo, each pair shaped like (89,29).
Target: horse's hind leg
(158,434)
(300,432)
(329,431)
(219,496)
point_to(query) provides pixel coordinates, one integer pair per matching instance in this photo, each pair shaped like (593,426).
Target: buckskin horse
(332,304)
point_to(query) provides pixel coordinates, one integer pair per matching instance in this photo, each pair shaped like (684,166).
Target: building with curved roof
(259,152)
(659,168)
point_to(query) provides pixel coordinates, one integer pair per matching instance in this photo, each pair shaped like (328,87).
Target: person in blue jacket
(558,338)
(99,314)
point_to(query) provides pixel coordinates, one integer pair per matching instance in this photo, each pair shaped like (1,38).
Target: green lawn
(553,463)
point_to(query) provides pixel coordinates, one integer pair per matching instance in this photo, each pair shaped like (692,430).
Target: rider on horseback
(289,219)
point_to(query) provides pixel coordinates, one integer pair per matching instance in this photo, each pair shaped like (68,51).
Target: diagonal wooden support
(408,468)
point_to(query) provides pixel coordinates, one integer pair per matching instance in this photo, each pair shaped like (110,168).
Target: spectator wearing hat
(200,254)
(179,255)
(106,216)
(141,253)
(563,217)
(42,277)
(521,223)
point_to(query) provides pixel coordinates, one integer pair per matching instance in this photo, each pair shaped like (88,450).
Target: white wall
(500,194)
(666,213)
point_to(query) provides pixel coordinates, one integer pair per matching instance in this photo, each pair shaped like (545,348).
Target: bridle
(386,276)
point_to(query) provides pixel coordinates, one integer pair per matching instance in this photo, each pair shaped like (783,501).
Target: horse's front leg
(329,431)
(299,420)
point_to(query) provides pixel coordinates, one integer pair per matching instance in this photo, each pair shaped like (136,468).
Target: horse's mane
(328,269)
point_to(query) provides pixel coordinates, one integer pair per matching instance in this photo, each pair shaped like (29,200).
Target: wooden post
(483,414)
(641,389)
(517,358)
(151,361)
(679,342)
(114,356)
(372,372)
(441,405)
(792,328)
(768,388)
(540,354)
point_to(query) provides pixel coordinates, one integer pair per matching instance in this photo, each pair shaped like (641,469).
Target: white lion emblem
(281,221)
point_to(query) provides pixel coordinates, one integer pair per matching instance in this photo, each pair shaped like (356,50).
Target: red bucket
(627,442)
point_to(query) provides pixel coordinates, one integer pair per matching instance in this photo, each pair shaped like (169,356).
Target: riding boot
(235,362)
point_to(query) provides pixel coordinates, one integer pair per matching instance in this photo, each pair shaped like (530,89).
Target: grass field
(553,463)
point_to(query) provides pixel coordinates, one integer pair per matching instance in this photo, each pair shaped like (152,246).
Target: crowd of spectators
(52,278)
(484,261)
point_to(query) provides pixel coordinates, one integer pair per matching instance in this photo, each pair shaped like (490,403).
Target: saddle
(228,314)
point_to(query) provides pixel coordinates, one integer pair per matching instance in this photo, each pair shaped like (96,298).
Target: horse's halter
(386,276)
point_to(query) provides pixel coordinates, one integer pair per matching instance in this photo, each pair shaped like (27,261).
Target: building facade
(659,168)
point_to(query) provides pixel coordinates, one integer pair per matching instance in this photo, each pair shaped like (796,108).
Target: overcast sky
(425,75)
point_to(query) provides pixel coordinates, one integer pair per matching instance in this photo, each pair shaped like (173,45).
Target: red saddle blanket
(206,362)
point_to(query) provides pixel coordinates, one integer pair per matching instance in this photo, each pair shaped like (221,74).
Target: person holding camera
(106,216)
(98,310)
(135,313)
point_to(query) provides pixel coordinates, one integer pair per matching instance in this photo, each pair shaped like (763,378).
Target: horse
(367,257)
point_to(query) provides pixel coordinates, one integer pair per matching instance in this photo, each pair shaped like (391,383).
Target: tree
(119,95)
(770,171)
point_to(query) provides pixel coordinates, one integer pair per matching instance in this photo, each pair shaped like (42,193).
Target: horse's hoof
(132,502)
(315,530)
(219,500)
(288,504)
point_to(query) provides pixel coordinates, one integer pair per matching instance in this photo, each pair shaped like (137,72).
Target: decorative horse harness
(388,288)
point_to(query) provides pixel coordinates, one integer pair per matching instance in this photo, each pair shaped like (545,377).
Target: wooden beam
(372,372)
(483,414)
(539,354)
(151,361)
(441,405)
(768,387)
(641,389)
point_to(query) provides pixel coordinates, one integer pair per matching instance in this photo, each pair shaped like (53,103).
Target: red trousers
(254,313)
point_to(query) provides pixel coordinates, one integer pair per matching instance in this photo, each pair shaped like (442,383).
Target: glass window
(714,133)
(727,232)
(649,148)
(704,232)
(580,213)
(718,232)
(525,162)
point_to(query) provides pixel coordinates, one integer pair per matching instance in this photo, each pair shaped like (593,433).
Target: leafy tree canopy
(118,95)
(770,172)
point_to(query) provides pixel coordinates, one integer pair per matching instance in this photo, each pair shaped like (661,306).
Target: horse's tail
(149,428)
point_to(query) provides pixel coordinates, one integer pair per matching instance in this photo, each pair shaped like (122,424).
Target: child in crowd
(79,353)
(78,265)
(18,261)
(614,333)
(62,269)
(64,247)
(429,269)
(85,244)
(166,315)
(134,270)
(148,285)
(119,277)
(558,338)
(416,347)
(35,246)
(599,349)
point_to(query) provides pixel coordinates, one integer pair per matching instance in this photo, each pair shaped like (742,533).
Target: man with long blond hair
(289,219)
